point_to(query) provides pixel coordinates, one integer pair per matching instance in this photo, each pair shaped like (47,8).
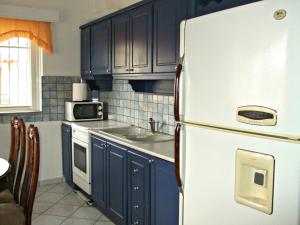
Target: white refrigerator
(237,107)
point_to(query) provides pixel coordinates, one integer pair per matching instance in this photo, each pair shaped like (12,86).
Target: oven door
(81,159)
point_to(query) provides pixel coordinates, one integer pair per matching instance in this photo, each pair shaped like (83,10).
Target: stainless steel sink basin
(137,134)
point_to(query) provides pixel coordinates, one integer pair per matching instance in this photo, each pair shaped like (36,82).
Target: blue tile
(46,110)
(46,117)
(60,87)
(60,94)
(160,108)
(46,94)
(60,116)
(60,80)
(52,94)
(53,102)
(53,117)
(160,99)
(53,110)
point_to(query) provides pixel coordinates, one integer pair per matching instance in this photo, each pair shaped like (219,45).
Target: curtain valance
(38,32)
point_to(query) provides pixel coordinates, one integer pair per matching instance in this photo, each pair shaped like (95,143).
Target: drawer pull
(136,222)
(135,170)
(136,188)
(136,206)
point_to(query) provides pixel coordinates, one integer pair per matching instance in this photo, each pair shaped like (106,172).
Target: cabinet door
(101,48)
(66,132)
(99,172)
(141,39)
(167,17)
(138,189)
(85,52)
(117,183)
(120,44)
(202,7)
(164,194)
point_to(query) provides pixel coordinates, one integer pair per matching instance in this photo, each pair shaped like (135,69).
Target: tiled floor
(57,204)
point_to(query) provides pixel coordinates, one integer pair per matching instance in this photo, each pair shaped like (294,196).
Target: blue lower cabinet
(117,183)
(138,189)
(164,194)
(133,188)
(99,172)
(66,134)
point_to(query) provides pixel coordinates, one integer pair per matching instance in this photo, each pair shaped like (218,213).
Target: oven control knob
(100,107)
(100,113)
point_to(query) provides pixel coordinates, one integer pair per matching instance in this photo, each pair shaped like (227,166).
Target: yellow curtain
(38,32)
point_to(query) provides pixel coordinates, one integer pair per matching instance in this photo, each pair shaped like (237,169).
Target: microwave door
(85,111)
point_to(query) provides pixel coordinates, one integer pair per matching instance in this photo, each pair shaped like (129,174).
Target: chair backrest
(16,156)
(31,173)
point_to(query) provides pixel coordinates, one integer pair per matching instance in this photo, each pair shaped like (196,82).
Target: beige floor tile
(61,210)
(49,197)
(61,188)
(48,220)
(104,223)
(72,199)
(104,218)
(44,188)
(78,221)
(87,213)
(40,207)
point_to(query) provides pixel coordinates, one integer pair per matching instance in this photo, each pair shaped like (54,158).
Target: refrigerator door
(211,195)
(244,60)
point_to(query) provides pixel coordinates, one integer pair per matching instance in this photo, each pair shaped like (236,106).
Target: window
(20,70)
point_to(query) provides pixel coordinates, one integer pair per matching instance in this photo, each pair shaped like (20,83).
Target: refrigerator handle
(176,92)
(177,156)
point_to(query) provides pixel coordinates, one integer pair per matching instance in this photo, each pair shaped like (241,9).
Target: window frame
(36,59)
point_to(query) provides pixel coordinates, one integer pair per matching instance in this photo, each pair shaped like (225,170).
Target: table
(4,166)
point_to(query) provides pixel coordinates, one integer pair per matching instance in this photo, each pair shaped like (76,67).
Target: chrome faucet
(152,124)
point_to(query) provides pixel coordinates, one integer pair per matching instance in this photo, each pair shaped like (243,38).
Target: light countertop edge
(162,150)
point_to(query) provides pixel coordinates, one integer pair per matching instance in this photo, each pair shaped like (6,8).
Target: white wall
(50,148)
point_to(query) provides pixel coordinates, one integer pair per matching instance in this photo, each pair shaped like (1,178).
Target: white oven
(81,159)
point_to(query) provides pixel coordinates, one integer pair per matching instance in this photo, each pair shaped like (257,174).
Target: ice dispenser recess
(254,175)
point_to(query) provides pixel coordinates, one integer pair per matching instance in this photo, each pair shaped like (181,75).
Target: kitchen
(133,161)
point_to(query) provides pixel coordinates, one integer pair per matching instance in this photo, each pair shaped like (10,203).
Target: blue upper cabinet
(66,132)
(164,194)
(141,39)
(120,44)
(101,48)
(85,53)
(98,171)
(202,7)
(117,183)
(167,17)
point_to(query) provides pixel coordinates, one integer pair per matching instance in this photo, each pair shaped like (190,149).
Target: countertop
(163,150)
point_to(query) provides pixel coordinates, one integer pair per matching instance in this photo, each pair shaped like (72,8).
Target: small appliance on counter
(79,92)
(83,111)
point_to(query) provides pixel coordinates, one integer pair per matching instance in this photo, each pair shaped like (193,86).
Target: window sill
(12,111)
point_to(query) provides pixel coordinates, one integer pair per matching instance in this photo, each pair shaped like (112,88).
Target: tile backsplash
(136,108)
(123,104)
(55,91)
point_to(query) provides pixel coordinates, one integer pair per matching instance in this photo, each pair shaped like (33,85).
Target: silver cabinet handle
(135,170)
(136,222)
(136,188)
(136,206)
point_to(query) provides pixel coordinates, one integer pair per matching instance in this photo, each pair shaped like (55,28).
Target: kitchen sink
(137,134)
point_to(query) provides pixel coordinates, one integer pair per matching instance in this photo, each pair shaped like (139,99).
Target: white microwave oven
(83,111)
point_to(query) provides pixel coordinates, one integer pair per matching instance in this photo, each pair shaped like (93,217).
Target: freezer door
(246,56)
(210,195)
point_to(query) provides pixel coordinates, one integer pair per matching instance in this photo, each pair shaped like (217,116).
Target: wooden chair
(11,185)
(21,213)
